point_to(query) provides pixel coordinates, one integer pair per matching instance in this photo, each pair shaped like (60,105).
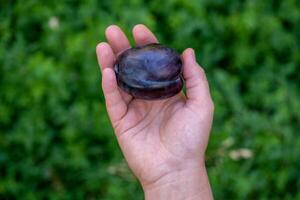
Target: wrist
(187,184)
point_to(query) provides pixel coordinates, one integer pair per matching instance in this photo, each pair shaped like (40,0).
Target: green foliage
(56,141)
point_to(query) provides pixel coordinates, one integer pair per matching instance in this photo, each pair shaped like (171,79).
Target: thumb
(196,83)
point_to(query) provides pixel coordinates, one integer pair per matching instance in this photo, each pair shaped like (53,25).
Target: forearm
(188,184)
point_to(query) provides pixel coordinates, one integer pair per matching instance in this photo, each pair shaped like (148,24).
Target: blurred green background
(56,141)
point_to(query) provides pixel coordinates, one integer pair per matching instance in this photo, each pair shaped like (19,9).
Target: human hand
(163,141)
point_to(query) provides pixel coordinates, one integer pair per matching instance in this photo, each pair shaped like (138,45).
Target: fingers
(118,42)
(142,35)
(196,83)
(117,39)
(116,106)
(105,55)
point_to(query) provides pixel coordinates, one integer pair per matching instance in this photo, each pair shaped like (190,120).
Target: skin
(163,141)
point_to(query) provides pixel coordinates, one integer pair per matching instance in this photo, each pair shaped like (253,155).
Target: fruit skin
(149,72)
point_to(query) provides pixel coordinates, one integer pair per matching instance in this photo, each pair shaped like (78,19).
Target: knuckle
(201,70)
(211,105)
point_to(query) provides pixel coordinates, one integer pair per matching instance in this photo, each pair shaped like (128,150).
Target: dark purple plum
(149,72)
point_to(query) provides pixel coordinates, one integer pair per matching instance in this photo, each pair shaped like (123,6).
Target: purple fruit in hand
(149,72)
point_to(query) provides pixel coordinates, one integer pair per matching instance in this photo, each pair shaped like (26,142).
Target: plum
(149,72)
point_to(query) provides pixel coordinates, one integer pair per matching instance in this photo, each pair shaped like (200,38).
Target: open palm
(162,136)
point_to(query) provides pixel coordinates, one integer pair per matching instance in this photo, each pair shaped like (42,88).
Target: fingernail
(192,52)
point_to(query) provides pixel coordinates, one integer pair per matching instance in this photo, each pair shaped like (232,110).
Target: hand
(163,141)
